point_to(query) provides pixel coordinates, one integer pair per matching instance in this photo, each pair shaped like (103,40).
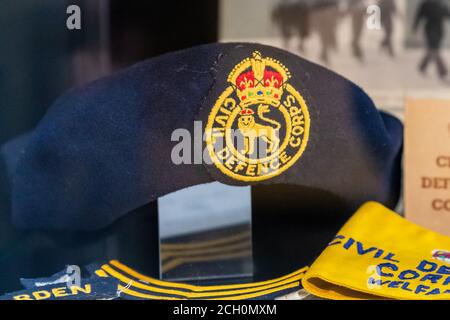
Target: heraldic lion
(251,130)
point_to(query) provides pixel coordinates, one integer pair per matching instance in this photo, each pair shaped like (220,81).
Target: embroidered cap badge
(441,255)
(259,126)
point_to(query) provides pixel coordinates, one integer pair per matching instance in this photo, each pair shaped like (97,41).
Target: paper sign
(427,164)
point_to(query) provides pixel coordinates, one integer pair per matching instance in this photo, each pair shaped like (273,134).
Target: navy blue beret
(105,149)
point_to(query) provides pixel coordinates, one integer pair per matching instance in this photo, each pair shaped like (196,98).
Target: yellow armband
(380,255)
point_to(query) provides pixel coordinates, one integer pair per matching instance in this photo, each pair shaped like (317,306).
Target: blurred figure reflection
(433,13)
(357,10)
(388,11)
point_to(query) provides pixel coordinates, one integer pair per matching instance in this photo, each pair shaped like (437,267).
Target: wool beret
(268,117)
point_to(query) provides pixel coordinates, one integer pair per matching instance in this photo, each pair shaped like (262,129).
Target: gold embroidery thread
(259,126)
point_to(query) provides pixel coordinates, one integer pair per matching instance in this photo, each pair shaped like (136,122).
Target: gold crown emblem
(259,80)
